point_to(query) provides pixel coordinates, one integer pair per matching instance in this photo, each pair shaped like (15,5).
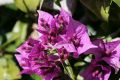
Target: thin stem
(69,69)
(65,69)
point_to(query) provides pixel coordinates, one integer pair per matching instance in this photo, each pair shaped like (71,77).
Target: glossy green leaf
(27,5)
(69,69)
(117,2)
(20,5)
(79,64)
(99,7)
(36,77)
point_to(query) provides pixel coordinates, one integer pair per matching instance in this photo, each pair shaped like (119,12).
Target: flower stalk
(69,69)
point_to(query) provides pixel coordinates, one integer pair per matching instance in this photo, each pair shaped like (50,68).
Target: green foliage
(27,5)
(99,7)
(8,68)
(36,77)
(117,2)
(11,6)
(17,35)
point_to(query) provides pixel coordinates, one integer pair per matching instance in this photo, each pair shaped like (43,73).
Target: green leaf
(10,38)
(20,5)
(77,64)
(11,6)
(21,29)
(11,48)
(91,31)
(17,36)
(27,5)
(117,2)
(80,77)
(1,40)
(36,77)
(99,7)
(108,38)
(13,70)
(8,68)
(88,58)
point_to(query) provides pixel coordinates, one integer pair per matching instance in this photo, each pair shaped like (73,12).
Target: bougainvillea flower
(24,50)
(109,52)
(46,66)
(63,54)
(62,30)
(97,70)
(51,27)
(60,36)
(34,59)
(76,38)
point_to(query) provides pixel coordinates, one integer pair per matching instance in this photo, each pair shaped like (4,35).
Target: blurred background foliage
(18,21)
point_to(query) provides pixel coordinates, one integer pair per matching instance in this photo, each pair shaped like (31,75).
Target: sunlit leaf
(11,48)
(108,38)
(88,58)
(20,5)
(13,70)
(27,5)
(91,31)
(18,35)
(79,64)
(8,68)
(21,29)
(80,77)
(99,7)
(3,63)
(36,77)
(117,2)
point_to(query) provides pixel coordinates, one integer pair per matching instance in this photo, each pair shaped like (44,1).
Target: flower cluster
(107,56)
(60,38)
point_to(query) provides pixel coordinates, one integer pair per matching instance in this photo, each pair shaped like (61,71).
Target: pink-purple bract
(107,57)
